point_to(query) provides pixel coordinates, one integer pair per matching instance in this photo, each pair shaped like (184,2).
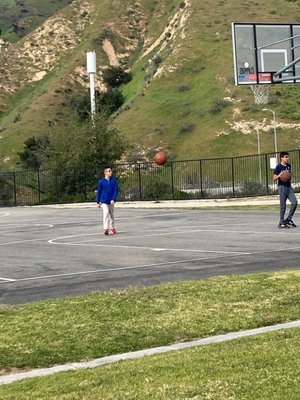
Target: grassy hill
(20,17)
(182,97)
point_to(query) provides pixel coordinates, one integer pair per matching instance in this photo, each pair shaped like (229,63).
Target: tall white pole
(274,129)
(92,94)
(92,69)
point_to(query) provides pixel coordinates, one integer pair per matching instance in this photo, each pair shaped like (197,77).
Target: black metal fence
(177,180)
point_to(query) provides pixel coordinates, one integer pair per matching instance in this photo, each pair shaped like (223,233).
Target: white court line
(97,271)
(4,214)
(166,233)
(7,280)
(156,234)
(42,277)
(166,263)
(148,248)
(24,241)
(109,244)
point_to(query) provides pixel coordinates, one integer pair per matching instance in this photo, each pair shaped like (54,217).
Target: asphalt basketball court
(51,253)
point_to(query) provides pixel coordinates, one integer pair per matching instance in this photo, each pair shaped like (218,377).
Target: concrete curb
(6,379)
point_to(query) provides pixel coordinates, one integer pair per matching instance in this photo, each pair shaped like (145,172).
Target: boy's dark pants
(284,194)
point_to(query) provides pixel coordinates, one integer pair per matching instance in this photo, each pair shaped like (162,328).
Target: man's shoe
(106,232)
(113,231)
(290,223)
(283,225)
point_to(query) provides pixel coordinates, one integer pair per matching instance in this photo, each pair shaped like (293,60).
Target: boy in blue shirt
(107,194)
(285,191)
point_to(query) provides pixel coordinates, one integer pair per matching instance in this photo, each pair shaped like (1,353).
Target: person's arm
(277,174)
(116,192)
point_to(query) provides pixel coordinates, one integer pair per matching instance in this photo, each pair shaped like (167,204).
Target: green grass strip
(263,367)
(83,328)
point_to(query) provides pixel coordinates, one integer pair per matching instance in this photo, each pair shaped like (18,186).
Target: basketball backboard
(266,53)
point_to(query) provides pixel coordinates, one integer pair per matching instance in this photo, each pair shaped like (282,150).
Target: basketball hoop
(261,94)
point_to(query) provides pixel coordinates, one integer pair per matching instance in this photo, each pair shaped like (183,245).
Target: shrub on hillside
(157,59)
(116,76)
(109,102)
(106,34)
(218,106)
(183,87)
(187,128)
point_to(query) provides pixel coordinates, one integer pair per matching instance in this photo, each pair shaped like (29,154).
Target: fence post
(56,186)
(39,187)
(140,181)
(85,182)
(267,178)
(201,179)
(172,180)
(232,175)
(15,189)
(299,165)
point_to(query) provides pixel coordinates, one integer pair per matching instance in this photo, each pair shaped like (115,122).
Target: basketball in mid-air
(285,176)
(160,158)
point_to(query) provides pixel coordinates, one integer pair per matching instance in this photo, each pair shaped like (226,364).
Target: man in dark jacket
(107,194)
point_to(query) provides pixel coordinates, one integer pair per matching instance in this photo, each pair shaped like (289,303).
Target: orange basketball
(285,176)
(160,158)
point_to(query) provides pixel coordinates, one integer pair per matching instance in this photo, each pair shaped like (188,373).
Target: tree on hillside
(88,142)
(33,153)
(106,102)
(75,152)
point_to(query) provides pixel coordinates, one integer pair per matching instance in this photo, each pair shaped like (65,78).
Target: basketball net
(261,94)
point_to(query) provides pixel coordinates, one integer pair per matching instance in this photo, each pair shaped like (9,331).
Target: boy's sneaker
(113,231)
(106,232)
(283,225)
(290,223)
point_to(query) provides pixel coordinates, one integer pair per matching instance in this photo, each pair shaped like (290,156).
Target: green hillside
(182,97)
(19,17)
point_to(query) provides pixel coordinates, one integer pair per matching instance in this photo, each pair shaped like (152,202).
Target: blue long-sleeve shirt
(108,190)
